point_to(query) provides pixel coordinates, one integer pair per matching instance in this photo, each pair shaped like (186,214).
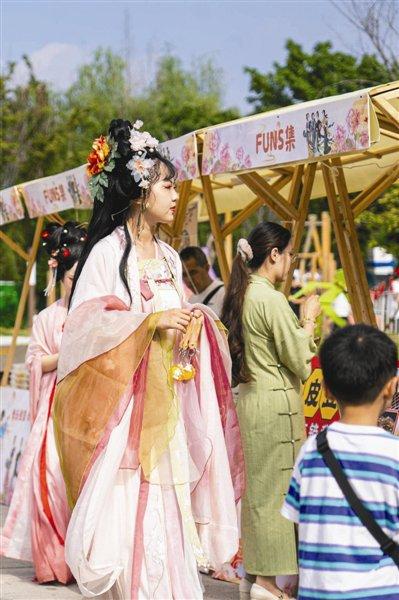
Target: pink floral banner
(328,127)
(11,208)
(56,193)
(182,152)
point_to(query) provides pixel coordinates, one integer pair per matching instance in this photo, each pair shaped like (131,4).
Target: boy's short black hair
(357,361)
(196,253)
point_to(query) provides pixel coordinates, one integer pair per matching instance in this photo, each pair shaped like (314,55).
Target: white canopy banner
(331,126)
(11,208)
(57,192)
(183,153)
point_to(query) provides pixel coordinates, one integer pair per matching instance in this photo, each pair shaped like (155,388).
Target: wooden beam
(391,134)
(299,224)
(14,246)
(242,216)
(386,90)
(270,196)
(246,212)
(215,227)
(374,190)
(296,184)
(184,197)
(22,301)
(353,247)
(387,109)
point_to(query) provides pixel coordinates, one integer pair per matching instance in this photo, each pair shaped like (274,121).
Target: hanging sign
(323,128)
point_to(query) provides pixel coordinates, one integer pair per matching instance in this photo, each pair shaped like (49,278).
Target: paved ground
(17,584)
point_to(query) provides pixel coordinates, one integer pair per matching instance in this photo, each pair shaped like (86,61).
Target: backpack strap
(211,294)
(387,545)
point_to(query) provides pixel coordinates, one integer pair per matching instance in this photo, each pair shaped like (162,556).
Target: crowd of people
(140,469)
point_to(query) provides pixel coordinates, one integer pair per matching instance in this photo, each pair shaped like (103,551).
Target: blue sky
(61,35)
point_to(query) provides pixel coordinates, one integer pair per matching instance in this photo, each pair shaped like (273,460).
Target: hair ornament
(141,142)
(244,250)
(100,160)
(53,264)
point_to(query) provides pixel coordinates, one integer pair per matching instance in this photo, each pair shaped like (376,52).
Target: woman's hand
(311,308)
(174,318)
(49,362)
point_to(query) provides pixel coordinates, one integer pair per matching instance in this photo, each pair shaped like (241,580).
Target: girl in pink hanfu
(37,519)
(148,437)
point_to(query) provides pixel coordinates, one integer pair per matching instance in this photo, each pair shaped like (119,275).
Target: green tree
(308,76)
(98,95)
(183,100)
(379,224)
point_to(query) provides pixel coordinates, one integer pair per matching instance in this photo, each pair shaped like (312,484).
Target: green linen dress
(278,353)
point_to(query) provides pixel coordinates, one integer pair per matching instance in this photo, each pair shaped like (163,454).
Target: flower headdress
(102,160)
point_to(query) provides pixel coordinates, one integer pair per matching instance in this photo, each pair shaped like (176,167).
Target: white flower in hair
(144,183)
(140,166)
(151,142)
(137,140)
(138,124)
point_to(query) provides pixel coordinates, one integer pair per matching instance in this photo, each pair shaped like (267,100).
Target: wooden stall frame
(292,211)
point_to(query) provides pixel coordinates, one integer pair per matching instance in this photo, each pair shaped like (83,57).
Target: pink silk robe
(38,516)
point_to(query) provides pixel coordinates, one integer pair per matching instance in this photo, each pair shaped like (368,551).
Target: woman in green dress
(271,355)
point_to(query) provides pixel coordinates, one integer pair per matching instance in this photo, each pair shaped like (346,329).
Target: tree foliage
(379,225)
(307,76)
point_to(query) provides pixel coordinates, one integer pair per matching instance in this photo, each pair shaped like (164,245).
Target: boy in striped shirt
(338,558)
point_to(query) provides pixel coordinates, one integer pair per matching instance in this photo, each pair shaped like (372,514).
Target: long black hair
(120,197)
(64,243)
(262,239)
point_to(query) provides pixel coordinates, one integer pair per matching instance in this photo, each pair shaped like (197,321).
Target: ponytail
(232,318)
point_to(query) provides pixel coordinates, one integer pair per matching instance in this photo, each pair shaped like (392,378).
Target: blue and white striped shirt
(338,558)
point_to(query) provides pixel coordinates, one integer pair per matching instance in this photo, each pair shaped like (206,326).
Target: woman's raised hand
(174,318)
(311,308)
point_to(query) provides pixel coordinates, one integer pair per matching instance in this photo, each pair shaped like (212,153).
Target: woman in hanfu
(147,433)
(37,519)
(271,355)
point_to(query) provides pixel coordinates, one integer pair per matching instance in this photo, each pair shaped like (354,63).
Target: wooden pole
(215,227)
(356,262)
(184,197)
(228,242)
(325,245)
(22,301)
(299,224)
(295,189)
(336,219)
(15,247)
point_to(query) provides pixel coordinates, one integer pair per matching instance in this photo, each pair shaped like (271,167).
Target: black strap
(211,294)
(387,545)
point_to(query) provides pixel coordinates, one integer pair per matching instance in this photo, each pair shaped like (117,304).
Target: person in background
(38,516)
(338,556)
(196,276)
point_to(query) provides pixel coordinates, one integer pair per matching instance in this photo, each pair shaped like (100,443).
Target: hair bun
(119,130)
